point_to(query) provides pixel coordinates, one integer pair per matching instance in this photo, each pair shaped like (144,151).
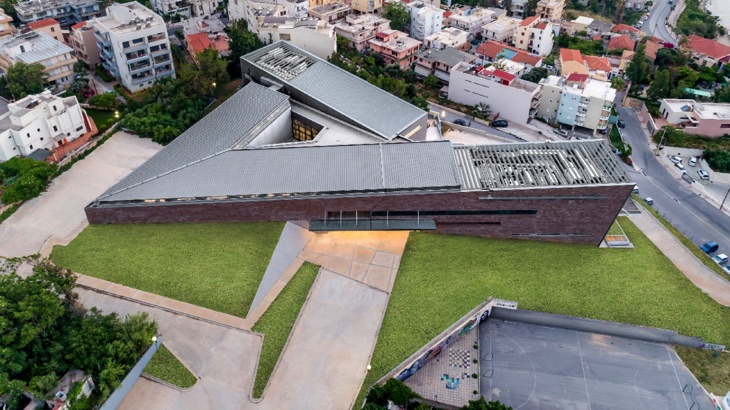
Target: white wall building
(507,96)
(448,37)
(34,47)
(41,121)
(425,19)
(502,30)
(359,29)
(471,20)
(316,36)
(133,45)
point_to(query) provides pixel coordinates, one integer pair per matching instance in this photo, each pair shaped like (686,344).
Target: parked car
(720,259)
(560,132)
(703,174)
(621,124)
(726,269)
(668,45)
(679,166)
(500,123)
(603,131)
(675,159)
(709,247)
(692,161)
(649,201)
(89,93)
(459,121)
(635,190)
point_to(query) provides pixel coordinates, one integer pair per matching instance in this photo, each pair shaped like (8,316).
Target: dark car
(621,124)
(459,121)
(603,131)
(500,123)
(709,247)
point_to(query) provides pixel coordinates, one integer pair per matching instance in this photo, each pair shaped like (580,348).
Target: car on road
(621,123)
(679,166)
(635,190)
(692,161)
(726,269)
(500,123)
(459,121)
(649,201)
(703,174)
(675,159)
(709,247)
(560,132)
(720,259)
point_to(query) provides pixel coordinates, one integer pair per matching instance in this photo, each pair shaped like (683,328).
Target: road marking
(671,359)
(582,367)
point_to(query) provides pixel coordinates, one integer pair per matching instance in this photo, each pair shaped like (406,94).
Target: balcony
(608,107)
(579,123)
(135,47)
(604,118)
(161,59)
(112,68)
(105,42)
(136,56)
(156,37)
(159,51)
(601,127)
(140,78)
(135,68)
(106,53)
(583,105)
(162,72)
(581,115)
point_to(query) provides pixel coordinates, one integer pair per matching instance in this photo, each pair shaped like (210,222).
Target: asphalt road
(656,24)
(698,219)
(450,117)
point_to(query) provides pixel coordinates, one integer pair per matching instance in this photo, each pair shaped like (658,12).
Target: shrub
(397,392)
(24,178)
(106,100)
(377,395)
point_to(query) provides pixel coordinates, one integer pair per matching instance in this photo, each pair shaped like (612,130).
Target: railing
(161,60)
(156,37)
(160,51)
(133,68)
(104,41)
(135,47)
(132,57)
(142,78)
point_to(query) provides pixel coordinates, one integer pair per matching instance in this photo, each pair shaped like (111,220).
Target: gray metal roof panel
(213,134)
(428,165)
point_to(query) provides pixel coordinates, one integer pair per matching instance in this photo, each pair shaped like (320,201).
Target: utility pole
(723,200)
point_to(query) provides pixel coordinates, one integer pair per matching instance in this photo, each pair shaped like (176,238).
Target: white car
(726,269)
(679,166)
(720,259)
(703,174)
(675,159)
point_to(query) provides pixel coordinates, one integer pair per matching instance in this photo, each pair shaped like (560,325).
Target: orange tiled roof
(627,55)
(652,48)
(597,63)
(78,25)
(492,49)
(503,75)
(448,13)
(541,26)
(622,28)
(705,46)
(42,23)
(575,77)
(622,41)
(568,54)
(199,42)
(528,21)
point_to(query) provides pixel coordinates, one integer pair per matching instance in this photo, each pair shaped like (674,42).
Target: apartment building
(250,11)
(395,47)
(329,13)
(448,37)
(551,10)
(577,101)
(502,30)
(317,3)
(492,51)
(470,19)
(133,45)
(508,97)
(360,29)
(84,42)
(440,62)
(6,24)
(32,48)
(66,12)
(518,8)
(200,8)
(41,121)
(366,6)
(697,118)
(535,36)
(426,19)
(50,27)
(316,36)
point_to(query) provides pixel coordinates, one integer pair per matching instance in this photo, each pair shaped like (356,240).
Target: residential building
(706,52)
(324,155)
(534,36)
(84,42)
(316,3)
(577,101)
(518,8)
(330,13)
(621,42)
(502,30)
(133,45)
(497,13)
(360,29)
(581,24)
(296,8)
(172,7)
(66,12)
(508,97)
(395,47)
(39,122)
(316,36)
(491,51)
(50,27)
(203,24)
(599,28)
(31,48)
(425,19)
(697,118)
(440,62)
(199,42)
(632,32)
(448,37)
(471,20)
(367,6)
(251,10)
(6,24)
(551,10)
(572,61)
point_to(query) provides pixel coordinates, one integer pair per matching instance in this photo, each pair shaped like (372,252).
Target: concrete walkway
(696,271)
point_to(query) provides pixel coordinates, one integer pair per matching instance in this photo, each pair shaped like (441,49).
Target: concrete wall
(510,102)
(576,215)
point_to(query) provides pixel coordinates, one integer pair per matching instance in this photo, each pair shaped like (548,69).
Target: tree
(618,83)
(638,69)
(661,86)
(723,95)
(25,79)
(397,392)
(105,100)
(535,75)
(396,12)
(420,102)
(530,7)
(507,5)
(481,110)
(431,81)
(241,42)
(198,80)
(481,404)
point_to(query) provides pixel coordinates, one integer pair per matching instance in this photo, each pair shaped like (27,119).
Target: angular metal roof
(529,165)
(304,171)
(369,106)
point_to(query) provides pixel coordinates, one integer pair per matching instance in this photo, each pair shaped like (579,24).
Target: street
(449,116)
(692,215)
(656,24)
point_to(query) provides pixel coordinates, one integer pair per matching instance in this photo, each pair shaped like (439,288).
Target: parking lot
(537,367)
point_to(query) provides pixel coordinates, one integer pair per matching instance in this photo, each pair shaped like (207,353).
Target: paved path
(697,272)
(224,359)
(325,361)
(58,214)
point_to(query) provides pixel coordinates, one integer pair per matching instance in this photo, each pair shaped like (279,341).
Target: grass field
(638,286)
(278,321)
(217,266)
(100,117)
(712,369)
(615,229)
(165,366)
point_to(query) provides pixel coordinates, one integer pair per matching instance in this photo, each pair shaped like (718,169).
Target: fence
(121,392)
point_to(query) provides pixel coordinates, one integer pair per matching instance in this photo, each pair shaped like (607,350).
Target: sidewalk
(697,272)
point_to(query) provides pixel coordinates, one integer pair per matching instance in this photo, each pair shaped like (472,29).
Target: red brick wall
(583,213)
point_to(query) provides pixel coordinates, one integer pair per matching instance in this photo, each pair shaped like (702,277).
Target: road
(656,25)
(450,117)
(698,219)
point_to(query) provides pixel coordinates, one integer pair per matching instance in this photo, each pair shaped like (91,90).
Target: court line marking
(534,372)
(582,367)
(671,359)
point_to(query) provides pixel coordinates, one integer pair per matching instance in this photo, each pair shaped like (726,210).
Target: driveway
(58,214)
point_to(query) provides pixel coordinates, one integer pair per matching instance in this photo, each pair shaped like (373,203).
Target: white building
(471,20)
(535,36)
(41,121)
(508,97)
(518,8)
(133,45)
(316,36)
(66,12)
(577,101)
(360,29)
(32,48)
(425,19)
(502,30)
(448,37)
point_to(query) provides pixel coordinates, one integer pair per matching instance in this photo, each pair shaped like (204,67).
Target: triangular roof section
(621,41)
(568,54)
(705,46)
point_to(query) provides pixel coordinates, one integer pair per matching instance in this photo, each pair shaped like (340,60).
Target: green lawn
(712,369)
(442,277)
(278,320)
(165,366)
(100,117)
(615,229)
(217,266)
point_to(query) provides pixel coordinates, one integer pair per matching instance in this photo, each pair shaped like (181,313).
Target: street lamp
(116,114)
(443,114)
